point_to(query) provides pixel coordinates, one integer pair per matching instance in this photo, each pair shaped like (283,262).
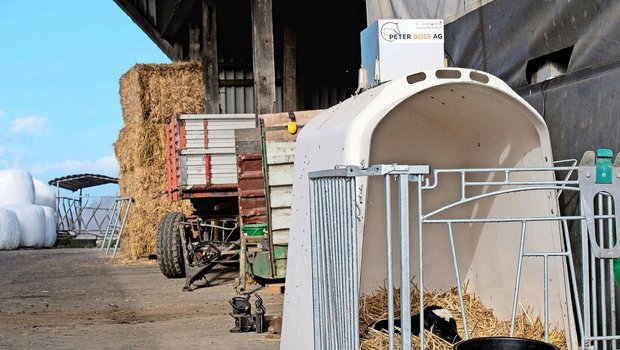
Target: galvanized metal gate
(335,251)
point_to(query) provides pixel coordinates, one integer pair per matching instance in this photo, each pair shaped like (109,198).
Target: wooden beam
(141,20)
(194,42)
(263,56)
(289,88)
(142,5)
(152,12)
(182,10)
(209,57)
(178,51)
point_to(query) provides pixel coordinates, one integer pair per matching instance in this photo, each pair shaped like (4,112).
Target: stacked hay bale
(150,96)
(482,321)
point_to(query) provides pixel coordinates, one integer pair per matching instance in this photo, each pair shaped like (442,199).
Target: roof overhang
(81,181)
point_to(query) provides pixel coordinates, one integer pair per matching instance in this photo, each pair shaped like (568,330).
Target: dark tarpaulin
(581,107)
(448,10)
(503,35)
(582,112)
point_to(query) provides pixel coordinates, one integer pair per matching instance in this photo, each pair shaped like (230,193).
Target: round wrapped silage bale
(51,220)
(44,194)
(16,186)
(31,220)
(9,229)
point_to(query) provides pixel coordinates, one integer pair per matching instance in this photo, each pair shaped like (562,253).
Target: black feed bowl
(503,343)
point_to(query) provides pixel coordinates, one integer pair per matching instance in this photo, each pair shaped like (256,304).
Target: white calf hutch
(466,167)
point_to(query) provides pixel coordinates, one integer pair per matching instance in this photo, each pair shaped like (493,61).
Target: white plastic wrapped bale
(44,194)
(31,218)
(16,186)
(9,229)
(50,226)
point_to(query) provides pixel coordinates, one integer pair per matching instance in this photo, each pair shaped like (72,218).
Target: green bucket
(254,229)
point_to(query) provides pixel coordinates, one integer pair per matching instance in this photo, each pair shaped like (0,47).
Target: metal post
(390,272)
(612,289)
(585,270)
(571,266)
(602,271)
(122,227)
(405,287)
(546,295)
(518,280)
(458,281)
(79,216)
(420,260)
(111,224)
(593,284)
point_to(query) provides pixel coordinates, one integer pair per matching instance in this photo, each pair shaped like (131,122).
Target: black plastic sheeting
(581,107)
(503,35)
(448,10)
(80,181)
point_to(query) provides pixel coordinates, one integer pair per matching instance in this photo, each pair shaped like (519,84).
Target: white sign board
(392,48)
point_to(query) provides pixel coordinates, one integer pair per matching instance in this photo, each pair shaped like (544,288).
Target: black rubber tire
(169,247)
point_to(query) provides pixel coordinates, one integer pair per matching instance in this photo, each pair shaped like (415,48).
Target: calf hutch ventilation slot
(537,270)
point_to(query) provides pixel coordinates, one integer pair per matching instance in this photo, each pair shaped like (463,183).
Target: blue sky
(60,64)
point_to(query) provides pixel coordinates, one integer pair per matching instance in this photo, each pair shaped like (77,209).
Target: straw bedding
(150,96)
(482,321)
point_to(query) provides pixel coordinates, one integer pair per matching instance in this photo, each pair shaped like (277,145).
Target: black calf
(436,319)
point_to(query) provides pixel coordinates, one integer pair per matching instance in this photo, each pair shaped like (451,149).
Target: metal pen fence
(99,217)
(335,252)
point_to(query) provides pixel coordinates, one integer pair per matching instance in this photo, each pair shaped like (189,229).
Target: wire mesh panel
(334,261)
(587,312)
(118,217)
(599,281)
(334,214)
(84,215)
(600,193)
(478,185)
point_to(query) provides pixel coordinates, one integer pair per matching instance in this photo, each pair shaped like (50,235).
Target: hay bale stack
(482,321)
(150,96)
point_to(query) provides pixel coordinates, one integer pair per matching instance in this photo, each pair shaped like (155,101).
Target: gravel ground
(76,298)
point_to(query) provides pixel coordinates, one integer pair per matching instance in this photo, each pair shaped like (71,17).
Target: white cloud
(105,165)
(32,125)
(3,162)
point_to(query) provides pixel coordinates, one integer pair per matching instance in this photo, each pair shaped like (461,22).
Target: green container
(260,266)
(254,229)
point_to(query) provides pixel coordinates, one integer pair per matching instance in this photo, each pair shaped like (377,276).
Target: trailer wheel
(169,246)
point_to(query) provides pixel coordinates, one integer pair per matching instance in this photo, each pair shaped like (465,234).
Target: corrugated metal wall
(323,97)
(236,87)
(237,90)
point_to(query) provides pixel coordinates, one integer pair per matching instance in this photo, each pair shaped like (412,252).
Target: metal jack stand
(242,313)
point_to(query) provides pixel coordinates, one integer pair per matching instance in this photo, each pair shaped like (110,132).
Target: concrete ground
(76,298)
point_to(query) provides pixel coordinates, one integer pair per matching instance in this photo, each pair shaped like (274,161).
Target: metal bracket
(596,175)
(380,169)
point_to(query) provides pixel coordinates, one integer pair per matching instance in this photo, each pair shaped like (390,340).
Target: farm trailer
(236,169)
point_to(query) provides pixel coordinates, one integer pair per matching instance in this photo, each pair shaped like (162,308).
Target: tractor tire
(169,246)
